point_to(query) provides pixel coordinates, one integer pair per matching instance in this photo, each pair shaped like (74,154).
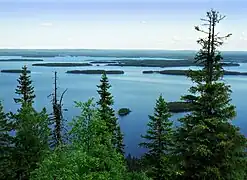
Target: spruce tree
(208,145)
(158,141)
(25,88)
(31,130)
(107,113)
(6,146)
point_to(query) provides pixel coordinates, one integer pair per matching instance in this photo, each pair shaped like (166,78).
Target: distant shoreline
(61,64)
(233,56)
(20,60)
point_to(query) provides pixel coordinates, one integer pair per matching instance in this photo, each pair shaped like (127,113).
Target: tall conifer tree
(25,89)
(31,130)
(158,141)
(209,146)
(108,114)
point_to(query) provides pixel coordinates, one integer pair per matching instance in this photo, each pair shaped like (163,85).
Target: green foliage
(88,128)
(31,140)
(90,156)
(25,88)
(119,141)
(208,145)
(136,176)
(107,113)
(158,141)
(6,145)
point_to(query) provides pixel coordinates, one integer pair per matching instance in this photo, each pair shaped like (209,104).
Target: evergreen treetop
(107,113)
(24,88)
(158,141)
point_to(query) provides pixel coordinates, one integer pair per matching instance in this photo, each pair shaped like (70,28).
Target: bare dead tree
(57,115)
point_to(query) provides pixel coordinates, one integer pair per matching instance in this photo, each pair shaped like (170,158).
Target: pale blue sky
(116,24)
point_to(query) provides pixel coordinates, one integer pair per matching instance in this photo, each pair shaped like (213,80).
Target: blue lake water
(133,89)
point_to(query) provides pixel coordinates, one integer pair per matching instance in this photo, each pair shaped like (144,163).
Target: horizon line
(118,49)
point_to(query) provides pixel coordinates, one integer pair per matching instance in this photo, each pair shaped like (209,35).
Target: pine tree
(209,146)
(25,88)
(57,117)
(6,146)
(158,141)
(108,114)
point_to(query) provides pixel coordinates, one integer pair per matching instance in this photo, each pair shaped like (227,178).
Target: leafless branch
(61,98)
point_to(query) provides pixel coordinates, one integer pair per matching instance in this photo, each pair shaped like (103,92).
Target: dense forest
(206,146)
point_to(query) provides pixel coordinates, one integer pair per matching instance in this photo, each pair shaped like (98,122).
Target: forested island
(95,72)
(179,107)
(14,71)
(185,72)
(124,111)
(61,64)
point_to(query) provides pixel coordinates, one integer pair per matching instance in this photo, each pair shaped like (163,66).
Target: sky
(117,24)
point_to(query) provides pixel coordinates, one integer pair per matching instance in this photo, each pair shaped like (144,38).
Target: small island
(14,71)
(95,72)
(20,60)
(124,111)
(185,72)
(179,107)
(62,64)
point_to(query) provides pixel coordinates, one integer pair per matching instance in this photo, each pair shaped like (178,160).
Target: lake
(133,89)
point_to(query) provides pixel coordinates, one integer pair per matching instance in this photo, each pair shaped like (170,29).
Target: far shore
(20,60)
(45,56)
(61,64)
